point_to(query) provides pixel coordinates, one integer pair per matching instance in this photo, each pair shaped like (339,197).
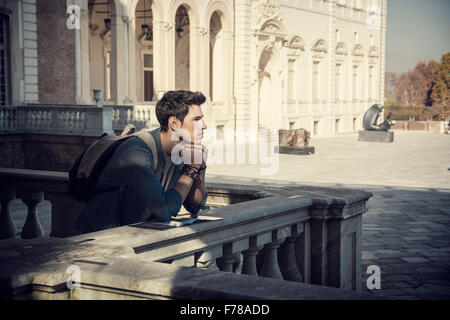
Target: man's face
(193,125)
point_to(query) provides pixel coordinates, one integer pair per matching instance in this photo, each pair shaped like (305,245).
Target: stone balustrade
(303,234)
(141,115)
(80,120)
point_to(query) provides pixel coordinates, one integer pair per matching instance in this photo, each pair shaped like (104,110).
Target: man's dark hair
(176,103)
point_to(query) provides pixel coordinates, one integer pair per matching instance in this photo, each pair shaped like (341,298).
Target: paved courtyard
(406,231)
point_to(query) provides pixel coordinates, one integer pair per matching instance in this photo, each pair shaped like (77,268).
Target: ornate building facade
(275,64)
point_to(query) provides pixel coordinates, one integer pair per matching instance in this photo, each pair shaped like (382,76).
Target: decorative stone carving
(341,48)
(270,28)
(373,52)
(266,10)
(297,42)
(358,50)
(320,46)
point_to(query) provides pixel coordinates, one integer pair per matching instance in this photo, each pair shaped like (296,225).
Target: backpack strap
(150,141)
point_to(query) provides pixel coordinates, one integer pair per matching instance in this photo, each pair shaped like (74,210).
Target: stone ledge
(38,271)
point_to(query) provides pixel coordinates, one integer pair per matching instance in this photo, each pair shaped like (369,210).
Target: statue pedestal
(376,136)
(289,150)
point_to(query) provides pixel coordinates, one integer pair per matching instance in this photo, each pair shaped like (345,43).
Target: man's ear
(174,123)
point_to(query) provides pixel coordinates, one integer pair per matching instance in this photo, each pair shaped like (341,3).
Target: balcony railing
(303,234)
(81,120)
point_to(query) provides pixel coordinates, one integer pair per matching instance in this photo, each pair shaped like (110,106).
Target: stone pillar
(242,63)
(169,30)
(344,246)
(131,59)
(119,82)
(196,35)
(336,227)
(382,53)
(160,58)
(83,95)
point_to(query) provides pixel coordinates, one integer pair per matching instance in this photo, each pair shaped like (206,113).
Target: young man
(139,193)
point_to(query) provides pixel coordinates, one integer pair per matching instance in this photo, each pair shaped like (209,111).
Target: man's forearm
(184,186)
(198,190)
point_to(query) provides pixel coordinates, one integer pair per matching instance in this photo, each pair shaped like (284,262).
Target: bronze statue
(371,117)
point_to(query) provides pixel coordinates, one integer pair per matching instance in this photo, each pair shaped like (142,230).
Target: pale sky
(416,30)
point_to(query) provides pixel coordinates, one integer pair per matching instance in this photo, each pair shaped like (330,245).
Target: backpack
(84,174)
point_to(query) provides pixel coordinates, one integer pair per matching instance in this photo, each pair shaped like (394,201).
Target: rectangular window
(148,77)
(370,84)
(355,83)
(291,79)
(316,128)
(337,82)
(315,81)
(4,61)
(354,124)
(336,127)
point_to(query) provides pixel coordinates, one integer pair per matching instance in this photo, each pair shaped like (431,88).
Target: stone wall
(56,51)
(433,126)
(41,152)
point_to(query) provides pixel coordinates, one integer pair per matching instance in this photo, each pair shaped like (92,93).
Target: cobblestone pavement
(406,231)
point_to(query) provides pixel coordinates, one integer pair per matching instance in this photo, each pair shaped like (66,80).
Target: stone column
(382,54)
(119,82)
(242,63)
(196,35)
(83,95)
(131,59)
(160,62)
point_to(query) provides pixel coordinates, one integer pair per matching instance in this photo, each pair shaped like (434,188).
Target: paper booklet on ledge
(177,222)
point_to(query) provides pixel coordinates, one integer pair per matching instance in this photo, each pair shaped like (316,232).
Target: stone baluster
(32,227)
(249,263)
(287,258)
(268,258)
(8,228)
(226,262)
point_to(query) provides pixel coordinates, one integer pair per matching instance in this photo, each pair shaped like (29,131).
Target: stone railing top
(43,263)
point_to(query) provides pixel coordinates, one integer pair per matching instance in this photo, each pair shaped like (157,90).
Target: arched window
(182,48)
(215,58)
